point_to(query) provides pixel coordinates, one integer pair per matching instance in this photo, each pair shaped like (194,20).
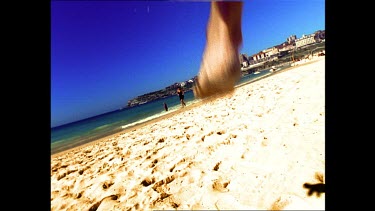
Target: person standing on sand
(220,66)
(180,93)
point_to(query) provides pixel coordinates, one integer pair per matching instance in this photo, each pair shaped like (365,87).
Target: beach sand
(254,149)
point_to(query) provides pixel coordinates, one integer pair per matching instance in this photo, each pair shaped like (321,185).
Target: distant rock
(163,93)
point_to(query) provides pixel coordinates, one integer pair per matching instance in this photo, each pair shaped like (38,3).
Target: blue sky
(104,53)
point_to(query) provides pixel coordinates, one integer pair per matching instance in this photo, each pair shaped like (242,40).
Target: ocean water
(77,133)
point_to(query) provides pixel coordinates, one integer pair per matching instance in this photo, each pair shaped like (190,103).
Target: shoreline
(135,127)
(139,125)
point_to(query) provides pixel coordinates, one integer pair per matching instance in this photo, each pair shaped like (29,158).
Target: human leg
(220,66)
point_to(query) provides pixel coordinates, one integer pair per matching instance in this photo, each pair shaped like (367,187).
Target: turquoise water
(74,134)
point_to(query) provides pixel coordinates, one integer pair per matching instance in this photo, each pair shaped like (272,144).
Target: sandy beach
(253,150)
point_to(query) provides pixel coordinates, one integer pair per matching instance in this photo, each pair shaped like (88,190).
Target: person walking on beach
(220,66)
(180,93)
(165,106)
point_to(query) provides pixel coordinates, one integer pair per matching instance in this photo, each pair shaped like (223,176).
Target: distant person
(165,106)
(220,66)
(180,93)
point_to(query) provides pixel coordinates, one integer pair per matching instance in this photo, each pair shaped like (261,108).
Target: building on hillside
(320,36)
(275,52)
(291,39)
(271,51)
(316,37)
(256,58)
(285,47)
(305,40)
(244,61)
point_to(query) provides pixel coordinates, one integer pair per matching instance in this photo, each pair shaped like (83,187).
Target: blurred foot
(220,67)
(219,72)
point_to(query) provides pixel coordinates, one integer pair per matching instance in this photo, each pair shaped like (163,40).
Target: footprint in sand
(217,166)
(221,184)
(95,206)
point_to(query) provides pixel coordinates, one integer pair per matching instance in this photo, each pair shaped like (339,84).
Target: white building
(305,40)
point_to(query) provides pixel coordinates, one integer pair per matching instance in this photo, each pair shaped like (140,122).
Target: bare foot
(219,72)
(220,68)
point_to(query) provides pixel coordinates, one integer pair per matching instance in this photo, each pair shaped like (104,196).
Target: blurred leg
(220,66)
